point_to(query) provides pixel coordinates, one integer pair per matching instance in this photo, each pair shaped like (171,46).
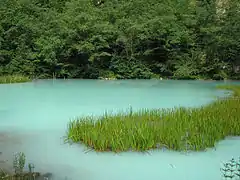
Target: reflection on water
(34,117)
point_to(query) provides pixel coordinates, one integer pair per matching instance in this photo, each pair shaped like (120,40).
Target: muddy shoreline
(6,157)
(7,140)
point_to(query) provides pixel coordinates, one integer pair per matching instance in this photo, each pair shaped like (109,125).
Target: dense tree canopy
(183,39)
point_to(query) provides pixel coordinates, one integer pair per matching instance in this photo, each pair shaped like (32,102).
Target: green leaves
(19,162)
(158,37)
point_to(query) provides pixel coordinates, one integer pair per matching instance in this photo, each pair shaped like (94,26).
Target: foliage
(19,162)
(18,165)
(177,129)
(7,79)
(84,39)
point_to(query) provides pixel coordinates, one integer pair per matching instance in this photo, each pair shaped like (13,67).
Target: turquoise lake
(34,118)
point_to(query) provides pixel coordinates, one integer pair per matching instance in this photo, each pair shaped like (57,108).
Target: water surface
(34,118)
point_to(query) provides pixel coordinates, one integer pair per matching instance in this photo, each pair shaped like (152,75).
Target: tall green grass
(8,79)
(176,129)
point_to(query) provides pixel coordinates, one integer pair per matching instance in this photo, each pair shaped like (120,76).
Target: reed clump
(177,129)
(8,79)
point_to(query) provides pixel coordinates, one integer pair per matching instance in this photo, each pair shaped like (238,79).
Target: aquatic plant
(231,169)
(31,167)
(13,79)
(180,129)
(18,165)
(19,162)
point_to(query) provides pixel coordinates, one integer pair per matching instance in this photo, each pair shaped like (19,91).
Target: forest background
(123,39)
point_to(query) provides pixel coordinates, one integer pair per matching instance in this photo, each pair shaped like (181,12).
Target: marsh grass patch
(177,129)
(9,79)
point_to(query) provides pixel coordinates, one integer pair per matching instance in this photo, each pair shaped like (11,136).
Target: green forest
(120,39)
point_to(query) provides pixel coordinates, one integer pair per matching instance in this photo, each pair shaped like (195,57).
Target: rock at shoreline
(46,176)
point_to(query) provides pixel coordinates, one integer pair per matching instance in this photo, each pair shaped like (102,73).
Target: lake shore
(6,160)
(5,157)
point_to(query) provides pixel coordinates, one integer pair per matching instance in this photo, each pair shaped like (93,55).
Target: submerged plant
(31,167)
(231,169)
(237,170)
(2,173)
(19,162)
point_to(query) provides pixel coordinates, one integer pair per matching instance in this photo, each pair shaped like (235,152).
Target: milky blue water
(34,117)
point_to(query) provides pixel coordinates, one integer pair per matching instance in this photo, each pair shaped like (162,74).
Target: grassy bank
(8,79)
(177,129)
(18,166)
